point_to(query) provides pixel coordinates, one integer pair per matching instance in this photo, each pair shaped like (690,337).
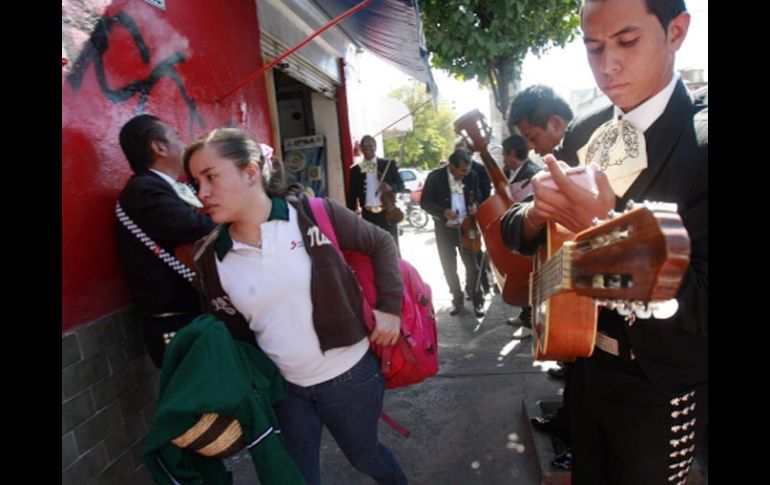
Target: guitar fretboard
(554,276)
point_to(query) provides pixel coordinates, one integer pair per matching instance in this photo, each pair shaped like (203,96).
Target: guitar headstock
(474,129)
(632,258)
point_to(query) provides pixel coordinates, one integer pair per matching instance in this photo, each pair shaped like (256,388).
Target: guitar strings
(550,279)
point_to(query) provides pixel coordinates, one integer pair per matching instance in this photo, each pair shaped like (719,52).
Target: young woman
(269,263)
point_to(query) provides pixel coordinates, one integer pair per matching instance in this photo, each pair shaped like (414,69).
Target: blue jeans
(349,406)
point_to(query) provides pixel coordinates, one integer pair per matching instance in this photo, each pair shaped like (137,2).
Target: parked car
(413,179)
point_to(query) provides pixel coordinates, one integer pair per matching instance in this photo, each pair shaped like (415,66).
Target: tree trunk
(502,76)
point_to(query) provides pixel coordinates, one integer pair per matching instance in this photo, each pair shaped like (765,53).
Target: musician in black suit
(485,273)
(517,166)
(450,193)
(365,187)
(638,405)
(541,117)
(485,185)
(166,212)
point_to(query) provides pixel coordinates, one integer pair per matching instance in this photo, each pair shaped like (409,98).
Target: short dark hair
(239,147)
(664,10)
(516,144)
(536,104)
(460,157)
(135,138)
(368,137)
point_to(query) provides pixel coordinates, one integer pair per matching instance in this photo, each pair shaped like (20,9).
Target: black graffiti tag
(96,47)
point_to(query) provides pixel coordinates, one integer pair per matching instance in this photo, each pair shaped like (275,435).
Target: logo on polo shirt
(296,244)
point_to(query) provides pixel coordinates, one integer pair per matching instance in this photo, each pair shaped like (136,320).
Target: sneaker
(554,424)
(558,373)
(478,309)
(455,310)
(563,460)
(514,322)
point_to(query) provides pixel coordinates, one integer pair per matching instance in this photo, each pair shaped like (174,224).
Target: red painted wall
(123,58)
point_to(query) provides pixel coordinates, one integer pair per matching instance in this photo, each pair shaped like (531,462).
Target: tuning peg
(664,309)
(630,205)
(661,206)
(611,214)
(622,309)
(641,310)
(595,222)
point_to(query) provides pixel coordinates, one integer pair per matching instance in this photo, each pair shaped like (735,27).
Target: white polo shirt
(270,286)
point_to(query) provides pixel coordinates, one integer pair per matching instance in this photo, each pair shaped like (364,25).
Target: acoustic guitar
(511,269)
(470,239)
(183,252)
(632,263)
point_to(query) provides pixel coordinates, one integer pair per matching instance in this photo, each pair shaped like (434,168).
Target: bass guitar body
(511,270)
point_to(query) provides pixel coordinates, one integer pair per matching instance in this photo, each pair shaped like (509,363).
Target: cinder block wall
(109,394)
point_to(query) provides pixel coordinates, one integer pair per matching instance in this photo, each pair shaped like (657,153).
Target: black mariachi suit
(154,206)
(485,184)
(482,259)
(436,198)
(526,172)
(357,193)
(627,412)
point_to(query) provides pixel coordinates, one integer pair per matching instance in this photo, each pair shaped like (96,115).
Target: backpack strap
(321,217)
(323,222)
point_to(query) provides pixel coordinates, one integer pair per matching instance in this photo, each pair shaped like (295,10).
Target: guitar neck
(499,182)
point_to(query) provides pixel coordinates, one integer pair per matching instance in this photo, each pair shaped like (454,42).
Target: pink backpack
(415,356)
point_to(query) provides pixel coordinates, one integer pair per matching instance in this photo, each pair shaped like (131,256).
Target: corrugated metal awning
(390,29)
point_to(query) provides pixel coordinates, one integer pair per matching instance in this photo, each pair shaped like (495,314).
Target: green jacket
(206,371)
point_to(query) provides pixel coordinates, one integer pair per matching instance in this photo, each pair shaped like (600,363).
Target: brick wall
(109,394)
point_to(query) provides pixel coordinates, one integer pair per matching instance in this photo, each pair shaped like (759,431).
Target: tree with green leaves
(432,137)
(488,39)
